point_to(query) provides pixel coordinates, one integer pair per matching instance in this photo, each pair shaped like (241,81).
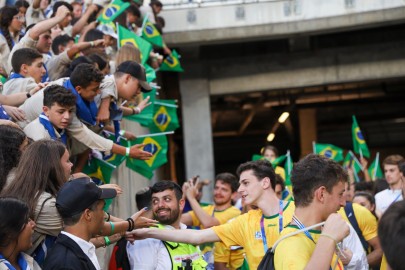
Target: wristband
(112,227)
(330,237)
(91,43)
(131,224)
(127,151)
(107,241)
(108,216)
(122,132)
(28,95)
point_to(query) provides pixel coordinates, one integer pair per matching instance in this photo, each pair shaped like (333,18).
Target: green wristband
(112,227)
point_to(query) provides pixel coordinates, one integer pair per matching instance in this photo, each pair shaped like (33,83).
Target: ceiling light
(283,117)
(270,137)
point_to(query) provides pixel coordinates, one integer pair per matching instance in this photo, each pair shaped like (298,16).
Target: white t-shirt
(385,198)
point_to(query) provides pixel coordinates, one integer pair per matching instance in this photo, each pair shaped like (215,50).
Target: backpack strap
(353,221)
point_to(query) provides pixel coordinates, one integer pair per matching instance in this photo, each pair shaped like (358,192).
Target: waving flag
(151,34)
(157,146)
(145,118)
(128,37)
(351,161)
(112,11)
(276,162)
(375,170)
(359,144)
(165,116)
(288,166)
(171,63)
(150,73)
(329,150)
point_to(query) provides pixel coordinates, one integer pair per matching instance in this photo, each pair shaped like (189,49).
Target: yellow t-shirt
(222,216)
(366,220)
(233,256)
(245,231)
(294,253)
(384,263)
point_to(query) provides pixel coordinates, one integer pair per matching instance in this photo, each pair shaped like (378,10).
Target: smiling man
(167,205)
(59,104)
(256,230)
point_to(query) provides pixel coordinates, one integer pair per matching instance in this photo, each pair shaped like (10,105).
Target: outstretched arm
(194,237)
(46,25)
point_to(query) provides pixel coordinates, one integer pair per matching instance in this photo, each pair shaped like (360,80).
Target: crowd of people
(64,82)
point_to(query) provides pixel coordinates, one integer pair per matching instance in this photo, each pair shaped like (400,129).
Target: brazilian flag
(112,11)
(101,170)
(128,37)
(3,79)
(157,146)
(329,150)
(164,117)
(171,63)
(276,162)
(151,34)
(375,169)
(115,159)
(145,118)
(359,144)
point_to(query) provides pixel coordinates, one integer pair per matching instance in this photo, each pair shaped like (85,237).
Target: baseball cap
(77,195)
(135,70)
(108,29)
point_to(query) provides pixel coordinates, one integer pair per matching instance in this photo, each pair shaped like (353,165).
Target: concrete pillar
(308,130)
(197,132)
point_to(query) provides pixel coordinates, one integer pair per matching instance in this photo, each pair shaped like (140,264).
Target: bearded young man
(167,206)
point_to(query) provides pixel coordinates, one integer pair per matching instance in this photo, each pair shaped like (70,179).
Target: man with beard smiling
(167,206)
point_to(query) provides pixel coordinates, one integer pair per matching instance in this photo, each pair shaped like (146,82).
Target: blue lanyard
(301,226)
(280,224)
(399,195)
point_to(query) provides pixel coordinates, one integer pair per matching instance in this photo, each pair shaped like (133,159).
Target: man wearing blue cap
(80,203)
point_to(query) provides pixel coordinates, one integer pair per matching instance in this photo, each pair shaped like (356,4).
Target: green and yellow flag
(276,162)
(112,11)
(151,34)
(288,166)
(128,37)
(351,161)
(145,118)
(171,63)
(359,144)
(374,170)
(157,146)
(165,116)
(329,150)
(150,73)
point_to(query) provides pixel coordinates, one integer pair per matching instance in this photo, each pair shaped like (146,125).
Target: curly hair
(7,14)
(84,74)
(11,139)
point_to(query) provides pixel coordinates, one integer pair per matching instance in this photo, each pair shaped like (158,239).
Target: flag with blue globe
(157,146)
(164,116)
(359,143)
(112,11)
(329,150)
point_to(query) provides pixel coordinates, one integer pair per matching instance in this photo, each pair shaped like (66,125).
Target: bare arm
(83,45)
(186,219)
(205,219)
(374,257)
(46,25)
(82,22)
(194,237)
(335,230)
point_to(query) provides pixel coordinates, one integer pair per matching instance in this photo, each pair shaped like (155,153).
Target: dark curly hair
(84,74)
(7,14)
(11,139)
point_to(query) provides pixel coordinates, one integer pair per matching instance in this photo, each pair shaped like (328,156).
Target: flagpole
(377,160)
(118,35)
(155,134)
(106,163)
(288,162)
(313,147)
(361,153)
(166,104)
(356,160)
